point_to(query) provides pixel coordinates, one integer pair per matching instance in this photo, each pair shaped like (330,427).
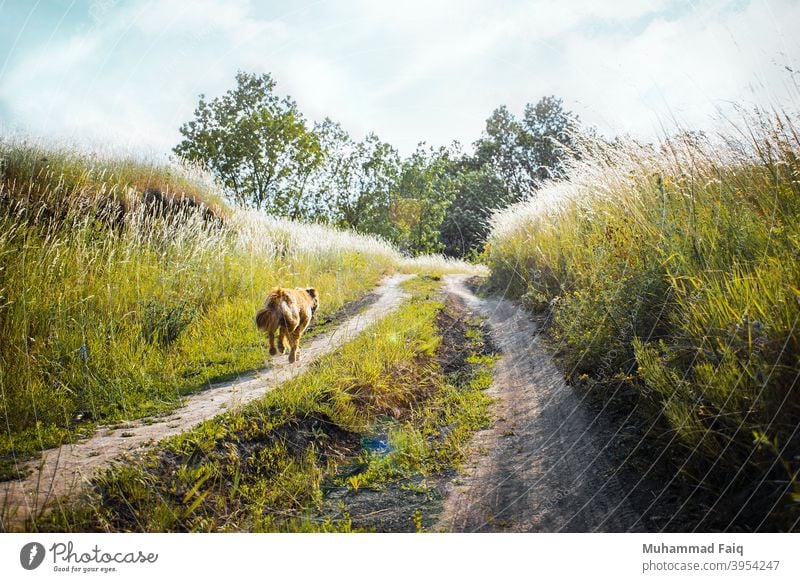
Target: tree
(256,143)
(327,180)
(425,191)
(499,150)
(361,180)
(547,138)
(512,158)
(465,226)
(524,153)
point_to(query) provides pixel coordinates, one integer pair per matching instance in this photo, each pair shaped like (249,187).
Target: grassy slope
(267,466)
(112,309)
(673,273)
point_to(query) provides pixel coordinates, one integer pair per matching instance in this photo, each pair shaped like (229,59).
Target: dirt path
(62,471)
(543,466)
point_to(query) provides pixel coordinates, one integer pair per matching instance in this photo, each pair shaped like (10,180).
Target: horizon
(127,75)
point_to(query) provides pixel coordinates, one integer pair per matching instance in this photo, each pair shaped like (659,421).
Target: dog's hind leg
(294,337)
(283,340)
(271,334)
(294,355)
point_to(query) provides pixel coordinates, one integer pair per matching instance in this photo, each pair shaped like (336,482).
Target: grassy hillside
(673,272)
(124,285)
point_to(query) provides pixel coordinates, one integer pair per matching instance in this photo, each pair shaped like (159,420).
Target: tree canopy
(267,156)
(255,142)
(525,152)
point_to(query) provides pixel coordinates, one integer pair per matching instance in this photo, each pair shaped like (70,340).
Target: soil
(548,462)
(402,507)
(62,472)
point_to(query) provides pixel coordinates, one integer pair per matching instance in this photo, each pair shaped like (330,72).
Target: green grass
(437,265)
(674,272)
(417,445)
(266,466)
(111,310)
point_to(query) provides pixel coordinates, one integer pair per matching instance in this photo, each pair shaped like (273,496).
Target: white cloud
(419,70)
(686,68)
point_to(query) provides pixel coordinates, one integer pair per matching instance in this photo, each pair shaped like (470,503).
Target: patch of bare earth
(547,464)
(62,472)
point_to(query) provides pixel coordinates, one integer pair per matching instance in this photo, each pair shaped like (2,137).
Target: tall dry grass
(674,269)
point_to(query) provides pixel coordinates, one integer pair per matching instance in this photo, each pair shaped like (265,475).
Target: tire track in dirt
(61,472)
(543,466)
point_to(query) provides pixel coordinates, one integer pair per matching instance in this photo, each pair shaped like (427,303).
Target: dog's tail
(262,319)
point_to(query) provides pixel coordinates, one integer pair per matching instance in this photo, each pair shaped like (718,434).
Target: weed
(164,323)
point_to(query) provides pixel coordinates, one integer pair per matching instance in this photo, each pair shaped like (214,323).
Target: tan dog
(289,311)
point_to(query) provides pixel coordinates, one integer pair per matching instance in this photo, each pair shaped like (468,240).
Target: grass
(267,466)
(125,285)
(673,272)
(417,445)
(440,265)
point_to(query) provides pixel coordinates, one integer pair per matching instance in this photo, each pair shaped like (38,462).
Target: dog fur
(288,311)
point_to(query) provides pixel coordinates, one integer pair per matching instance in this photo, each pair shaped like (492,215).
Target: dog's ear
(312,292)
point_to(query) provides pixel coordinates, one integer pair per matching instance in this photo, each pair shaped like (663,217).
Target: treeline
(269,157)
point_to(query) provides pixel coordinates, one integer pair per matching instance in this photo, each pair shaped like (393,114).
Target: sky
(127,74)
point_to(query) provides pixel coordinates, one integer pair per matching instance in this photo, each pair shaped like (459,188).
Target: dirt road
(62,471)
(542,467)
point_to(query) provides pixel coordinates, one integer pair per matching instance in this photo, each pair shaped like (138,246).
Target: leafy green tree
(524,153)
(256,143)
(425,191)
(465,226)
(499,151)
(512,158)
(547,138)
(327,180)
(359,182)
